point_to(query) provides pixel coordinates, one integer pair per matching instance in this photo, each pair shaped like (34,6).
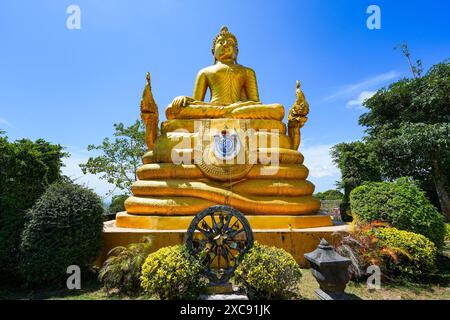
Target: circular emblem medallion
(226,147)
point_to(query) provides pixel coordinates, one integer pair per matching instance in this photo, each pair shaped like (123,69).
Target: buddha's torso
(226,83)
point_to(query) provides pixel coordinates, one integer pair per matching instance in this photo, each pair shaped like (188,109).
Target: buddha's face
(225,49)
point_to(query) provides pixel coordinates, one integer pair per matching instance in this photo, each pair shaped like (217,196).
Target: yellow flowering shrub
(268,273)
(172,273)
(417,253)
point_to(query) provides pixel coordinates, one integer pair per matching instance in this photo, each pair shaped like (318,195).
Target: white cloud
(372,83)
(319,162)
(4,122)
(358,102)
(322,172)
(73,171)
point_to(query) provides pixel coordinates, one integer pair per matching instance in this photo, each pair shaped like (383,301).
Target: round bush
(64,228)
(269,273)
(400,203)
(417,255)
(172,273)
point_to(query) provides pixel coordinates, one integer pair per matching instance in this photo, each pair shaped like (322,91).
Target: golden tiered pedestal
(275,198)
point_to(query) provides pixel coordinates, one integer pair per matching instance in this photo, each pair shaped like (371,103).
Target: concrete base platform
(295,241)
(153,222)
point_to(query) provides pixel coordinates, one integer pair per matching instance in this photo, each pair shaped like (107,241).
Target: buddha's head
(225,46)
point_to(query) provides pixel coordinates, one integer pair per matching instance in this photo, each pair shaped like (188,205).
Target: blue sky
(70,86)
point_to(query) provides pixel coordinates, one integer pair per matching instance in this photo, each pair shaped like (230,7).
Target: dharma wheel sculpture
(220,235)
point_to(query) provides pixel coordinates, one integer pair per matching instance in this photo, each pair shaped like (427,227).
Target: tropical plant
(362,247)
(269,273)
(398,253)
(122,269)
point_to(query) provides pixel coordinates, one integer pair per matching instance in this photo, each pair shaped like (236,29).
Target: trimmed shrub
(418,254)
(122,269)
(65,228)
(172,273)
(269,273)
(402,204)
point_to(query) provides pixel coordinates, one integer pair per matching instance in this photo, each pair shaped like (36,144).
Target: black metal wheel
(220,235)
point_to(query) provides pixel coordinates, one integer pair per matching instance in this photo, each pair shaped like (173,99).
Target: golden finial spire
(148,79)
(149,113)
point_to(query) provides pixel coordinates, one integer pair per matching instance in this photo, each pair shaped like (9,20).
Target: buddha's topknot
(224,33)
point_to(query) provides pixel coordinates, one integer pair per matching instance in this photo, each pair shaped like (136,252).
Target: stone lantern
(330,270)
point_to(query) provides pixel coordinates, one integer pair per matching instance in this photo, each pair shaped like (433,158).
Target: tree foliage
(407,126)
(118,203)
(119,158)
(358,164)
(424,100)
(26,169)
(329,195)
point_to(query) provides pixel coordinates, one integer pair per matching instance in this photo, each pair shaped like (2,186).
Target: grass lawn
(397,291)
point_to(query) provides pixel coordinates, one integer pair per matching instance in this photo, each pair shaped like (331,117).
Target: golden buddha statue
(234,90)
(168,193)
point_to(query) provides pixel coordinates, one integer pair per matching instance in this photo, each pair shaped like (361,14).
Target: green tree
(118,203)
(416,69)
(418,100)
(120,158)
(26,169)
(408,128)
(421,151)
(329,195)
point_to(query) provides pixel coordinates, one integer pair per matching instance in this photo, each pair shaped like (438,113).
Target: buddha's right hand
(181,101)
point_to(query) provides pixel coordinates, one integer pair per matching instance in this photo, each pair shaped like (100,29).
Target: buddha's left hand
(181,101)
